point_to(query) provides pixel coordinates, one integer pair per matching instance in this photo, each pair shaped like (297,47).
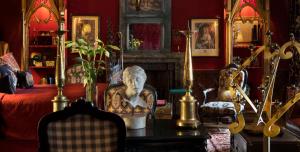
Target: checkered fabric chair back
(113,102)
(78,130)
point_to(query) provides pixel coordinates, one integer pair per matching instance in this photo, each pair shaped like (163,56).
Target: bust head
(134,78)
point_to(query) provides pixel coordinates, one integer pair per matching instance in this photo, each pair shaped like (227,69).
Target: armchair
(81,127)
(114,103)
(74,74)
(222,108)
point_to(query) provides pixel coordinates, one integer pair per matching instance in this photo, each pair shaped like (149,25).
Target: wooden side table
(286,142)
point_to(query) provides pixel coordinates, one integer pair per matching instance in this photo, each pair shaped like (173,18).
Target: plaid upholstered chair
(222,107)
(113,103)
(81,127)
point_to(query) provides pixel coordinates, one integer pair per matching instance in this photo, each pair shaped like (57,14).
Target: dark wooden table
(285,142)
(163,135)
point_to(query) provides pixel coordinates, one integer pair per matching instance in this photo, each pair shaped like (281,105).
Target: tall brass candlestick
(60,101)
(187,102)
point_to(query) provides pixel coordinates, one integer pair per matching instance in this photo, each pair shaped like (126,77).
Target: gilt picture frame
(85,27)
(205,40)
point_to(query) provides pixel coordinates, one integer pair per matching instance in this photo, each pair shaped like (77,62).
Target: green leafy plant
(135,43)
(91,57)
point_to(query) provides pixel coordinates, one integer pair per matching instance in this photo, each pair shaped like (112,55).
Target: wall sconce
(138,5)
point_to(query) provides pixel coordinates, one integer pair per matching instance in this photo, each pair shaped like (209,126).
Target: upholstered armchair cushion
(84,133)
(219,108)
(75,74)
(114,100)
(223,105)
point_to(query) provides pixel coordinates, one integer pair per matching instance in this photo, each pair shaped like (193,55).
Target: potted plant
(92,60)
(134,43)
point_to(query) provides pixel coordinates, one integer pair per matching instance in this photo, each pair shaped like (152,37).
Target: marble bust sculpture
(131,100)
(134,79)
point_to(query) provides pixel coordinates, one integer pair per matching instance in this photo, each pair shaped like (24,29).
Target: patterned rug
(220,140)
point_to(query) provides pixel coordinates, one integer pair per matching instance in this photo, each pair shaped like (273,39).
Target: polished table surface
(164,133)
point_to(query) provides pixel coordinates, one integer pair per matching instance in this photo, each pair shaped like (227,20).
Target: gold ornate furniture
(81,127)
(222,106)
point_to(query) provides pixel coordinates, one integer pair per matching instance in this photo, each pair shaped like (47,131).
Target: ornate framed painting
(205,40)
(85,27)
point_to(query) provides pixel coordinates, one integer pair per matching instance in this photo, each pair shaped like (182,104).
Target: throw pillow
(8,80)
(9,59)
(25,79)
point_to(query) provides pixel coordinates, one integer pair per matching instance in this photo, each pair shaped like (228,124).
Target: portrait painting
(85,27)
(205,40)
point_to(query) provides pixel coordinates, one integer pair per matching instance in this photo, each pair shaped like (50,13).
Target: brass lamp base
(188,123)
(188,112)
(59,103)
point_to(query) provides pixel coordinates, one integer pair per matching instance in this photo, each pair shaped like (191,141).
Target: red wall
(182,11)
(103,8)
(11,26)
(280,20)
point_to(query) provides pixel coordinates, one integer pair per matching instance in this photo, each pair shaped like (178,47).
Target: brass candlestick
(60,101)
(188,103)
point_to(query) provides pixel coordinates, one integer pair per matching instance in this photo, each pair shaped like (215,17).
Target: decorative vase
(91,92)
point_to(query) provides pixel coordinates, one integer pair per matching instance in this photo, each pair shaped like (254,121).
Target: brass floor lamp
(188,117)
(60,101)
